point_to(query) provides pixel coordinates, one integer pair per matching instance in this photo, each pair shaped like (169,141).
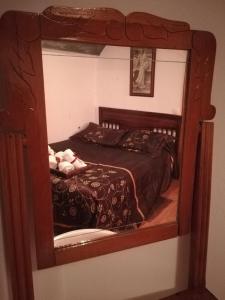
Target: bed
(123,181)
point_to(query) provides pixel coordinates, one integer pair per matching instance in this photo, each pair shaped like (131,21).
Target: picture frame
(142,71)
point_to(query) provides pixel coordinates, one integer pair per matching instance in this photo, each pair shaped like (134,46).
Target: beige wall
(138,272)
(147,261)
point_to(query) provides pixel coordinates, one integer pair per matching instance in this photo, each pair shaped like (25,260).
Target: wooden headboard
(124,118)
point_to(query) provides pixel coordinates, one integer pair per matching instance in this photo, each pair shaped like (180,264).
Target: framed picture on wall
(142,71)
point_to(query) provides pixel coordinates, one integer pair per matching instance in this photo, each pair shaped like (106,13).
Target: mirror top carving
(22,109)
(110,26)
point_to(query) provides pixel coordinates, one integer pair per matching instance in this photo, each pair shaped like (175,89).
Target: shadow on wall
(182,268)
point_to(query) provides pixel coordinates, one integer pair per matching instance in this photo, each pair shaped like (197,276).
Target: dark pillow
(94,133)
(136,140)
(145,140)
(158,142)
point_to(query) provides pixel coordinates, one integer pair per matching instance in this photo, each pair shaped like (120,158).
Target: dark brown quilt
(118,190)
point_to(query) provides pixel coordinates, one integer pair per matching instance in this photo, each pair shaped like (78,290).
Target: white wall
(114,75)
(202,14)
(70,91)
(146,272)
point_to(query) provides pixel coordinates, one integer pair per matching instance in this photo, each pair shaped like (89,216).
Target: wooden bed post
(200,220)
(201,208)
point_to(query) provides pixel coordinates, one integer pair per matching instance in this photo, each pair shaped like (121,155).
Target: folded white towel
(65,167)
(50,151)
(59,156)
(69,155)
(78,163)
(52,162)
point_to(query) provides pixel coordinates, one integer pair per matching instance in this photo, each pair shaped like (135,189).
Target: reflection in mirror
(122,174)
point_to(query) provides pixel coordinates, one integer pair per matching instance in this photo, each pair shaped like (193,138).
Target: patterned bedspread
(108,196)
(100,197)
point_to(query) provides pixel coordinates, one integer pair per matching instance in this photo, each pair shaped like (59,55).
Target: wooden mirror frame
(23,136)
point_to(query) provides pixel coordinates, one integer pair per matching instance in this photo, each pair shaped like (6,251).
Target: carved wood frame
(23,120)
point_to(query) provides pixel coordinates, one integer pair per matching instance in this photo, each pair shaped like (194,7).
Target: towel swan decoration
(66,161)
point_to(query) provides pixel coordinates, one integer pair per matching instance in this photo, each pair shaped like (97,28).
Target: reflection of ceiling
(84,48)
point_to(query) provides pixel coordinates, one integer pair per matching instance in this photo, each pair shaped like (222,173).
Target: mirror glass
(113,179)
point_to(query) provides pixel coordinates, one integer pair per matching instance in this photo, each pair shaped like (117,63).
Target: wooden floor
(197,294)
(166,211)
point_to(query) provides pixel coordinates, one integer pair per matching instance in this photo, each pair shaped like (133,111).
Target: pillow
(136,140)
(145,140)
(97,134)
(158,142)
